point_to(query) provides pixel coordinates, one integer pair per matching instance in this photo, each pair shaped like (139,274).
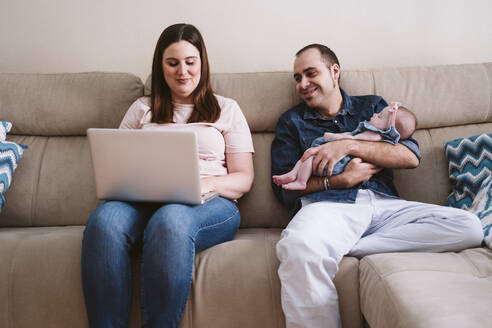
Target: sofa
(235,284)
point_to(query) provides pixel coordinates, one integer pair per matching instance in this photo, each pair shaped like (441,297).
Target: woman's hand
(207,185)
(237,181)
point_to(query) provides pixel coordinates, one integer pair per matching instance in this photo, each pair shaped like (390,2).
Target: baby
(390,125)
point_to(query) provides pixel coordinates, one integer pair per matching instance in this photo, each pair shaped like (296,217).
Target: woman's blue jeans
(171,234)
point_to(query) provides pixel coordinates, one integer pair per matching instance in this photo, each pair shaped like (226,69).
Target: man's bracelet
(326,183)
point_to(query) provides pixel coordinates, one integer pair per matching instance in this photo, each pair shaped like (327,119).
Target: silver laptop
(149,166)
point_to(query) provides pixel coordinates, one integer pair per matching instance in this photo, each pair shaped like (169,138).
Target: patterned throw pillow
(4,129)
(481,206)
(470,163)
(470,168)
(10,155)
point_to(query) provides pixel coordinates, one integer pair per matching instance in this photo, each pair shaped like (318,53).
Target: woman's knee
(169,220)
(110,221)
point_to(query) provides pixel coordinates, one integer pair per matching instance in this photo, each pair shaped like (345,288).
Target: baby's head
(405,123)
(404,120)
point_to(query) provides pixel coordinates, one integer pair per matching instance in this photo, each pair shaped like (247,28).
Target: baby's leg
(336,136)
(289,176)
(368,136)
(303,174)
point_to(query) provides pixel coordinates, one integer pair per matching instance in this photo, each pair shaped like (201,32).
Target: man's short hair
(327,55)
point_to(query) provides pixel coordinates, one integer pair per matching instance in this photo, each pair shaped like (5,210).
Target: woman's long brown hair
(206,106)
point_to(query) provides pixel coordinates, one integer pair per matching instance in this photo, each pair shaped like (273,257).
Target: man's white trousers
(321,233)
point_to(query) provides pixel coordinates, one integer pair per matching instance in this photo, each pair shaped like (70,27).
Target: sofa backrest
(54,184)
(449,101)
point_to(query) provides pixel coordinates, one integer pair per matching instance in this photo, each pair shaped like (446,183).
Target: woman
(171,234)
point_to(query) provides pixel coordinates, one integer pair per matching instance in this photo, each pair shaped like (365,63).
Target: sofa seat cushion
(235,284)
(234,280)
(40,284)
(427,289)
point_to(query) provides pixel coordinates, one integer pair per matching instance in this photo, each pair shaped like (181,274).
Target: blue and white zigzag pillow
(4,129)
(470,163)
(481,206)
(10,155)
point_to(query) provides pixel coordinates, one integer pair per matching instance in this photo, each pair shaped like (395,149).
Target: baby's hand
(395,105)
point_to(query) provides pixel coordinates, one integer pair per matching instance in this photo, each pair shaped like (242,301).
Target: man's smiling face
(314,80)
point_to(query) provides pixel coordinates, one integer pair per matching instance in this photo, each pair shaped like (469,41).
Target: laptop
(146,166)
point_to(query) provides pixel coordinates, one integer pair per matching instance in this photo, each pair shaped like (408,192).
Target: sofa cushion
(67,103)
(235,284)
(427,289)
(429,182)
(54,185)
(40,284)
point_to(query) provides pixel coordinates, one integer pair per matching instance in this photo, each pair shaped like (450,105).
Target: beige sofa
(234,284)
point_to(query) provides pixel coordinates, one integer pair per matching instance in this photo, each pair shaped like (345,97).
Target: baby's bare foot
(284,178)
(295,185)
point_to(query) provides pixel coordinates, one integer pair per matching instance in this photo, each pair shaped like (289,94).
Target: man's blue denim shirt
(300,125)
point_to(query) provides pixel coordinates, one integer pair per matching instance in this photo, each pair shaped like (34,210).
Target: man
(357,212)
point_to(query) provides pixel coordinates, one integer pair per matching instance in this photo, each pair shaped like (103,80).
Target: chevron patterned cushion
(10,155)
(470,163)
(4,129)
(481,206)
(470,168)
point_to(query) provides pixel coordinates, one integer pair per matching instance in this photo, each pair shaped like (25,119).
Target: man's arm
(354,173)
(381,154)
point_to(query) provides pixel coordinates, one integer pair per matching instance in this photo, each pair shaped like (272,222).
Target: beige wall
(242,36)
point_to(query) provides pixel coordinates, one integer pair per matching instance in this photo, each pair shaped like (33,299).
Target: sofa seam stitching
(435,160)
(470,262)
(421,270)
(34,198)
(361,316)
(10,316)
(385,287)
(269,275)
(489,114)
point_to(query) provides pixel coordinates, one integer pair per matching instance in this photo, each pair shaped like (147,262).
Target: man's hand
(382,154)
(355,172)
(327,155)
(358,171)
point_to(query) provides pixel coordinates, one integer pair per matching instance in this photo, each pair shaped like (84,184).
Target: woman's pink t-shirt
(230,134)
